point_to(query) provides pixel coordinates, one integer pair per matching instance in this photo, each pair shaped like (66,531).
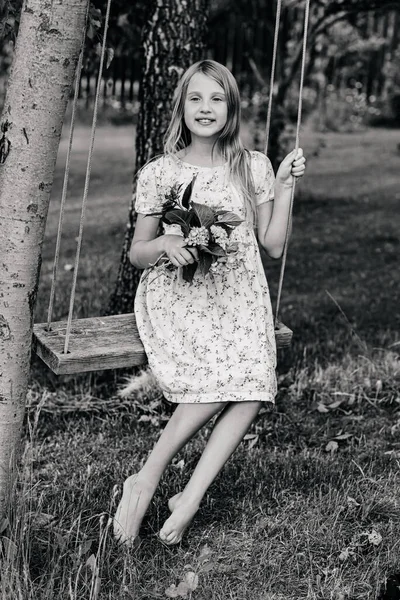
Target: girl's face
(206,109)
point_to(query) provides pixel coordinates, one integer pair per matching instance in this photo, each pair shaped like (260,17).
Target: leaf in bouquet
(205,262)
(177,214)
(204,213)
(188,271)
(172,195)
(169,205)
(227,217)
(214,249)
(193,219)
(175,217)
(187,194)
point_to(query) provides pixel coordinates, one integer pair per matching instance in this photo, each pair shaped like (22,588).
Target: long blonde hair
(228,144)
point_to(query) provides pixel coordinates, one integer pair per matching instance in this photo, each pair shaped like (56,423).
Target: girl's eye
(195,98)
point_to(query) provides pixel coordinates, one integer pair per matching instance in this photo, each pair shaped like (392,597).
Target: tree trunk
(47,49)
(172,40)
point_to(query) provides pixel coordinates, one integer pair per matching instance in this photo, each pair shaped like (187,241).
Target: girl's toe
(171,540)
(169,537)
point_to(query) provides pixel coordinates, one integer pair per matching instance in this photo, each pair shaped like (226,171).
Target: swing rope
(272,79)
(87,179)
(268,126)
(66,180)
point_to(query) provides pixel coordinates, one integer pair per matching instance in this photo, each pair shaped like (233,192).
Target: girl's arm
(146,248)
(272,217)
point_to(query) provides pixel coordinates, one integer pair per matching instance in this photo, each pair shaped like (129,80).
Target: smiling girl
(211,344)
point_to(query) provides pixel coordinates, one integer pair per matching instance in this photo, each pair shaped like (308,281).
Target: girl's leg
(139,488)
(230,428)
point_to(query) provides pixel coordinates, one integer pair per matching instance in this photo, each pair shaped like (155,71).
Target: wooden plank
(95,344)
(283,335)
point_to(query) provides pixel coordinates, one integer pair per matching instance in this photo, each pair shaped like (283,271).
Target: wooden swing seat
(99,343)
(95,344)
(283,335)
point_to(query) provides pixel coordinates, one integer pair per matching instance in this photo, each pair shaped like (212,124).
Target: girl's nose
(205,108)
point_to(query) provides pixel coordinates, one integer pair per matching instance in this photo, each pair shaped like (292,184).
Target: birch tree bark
(47,49)
(172,40)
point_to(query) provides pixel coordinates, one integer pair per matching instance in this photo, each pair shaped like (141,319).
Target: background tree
(49,40)
(324,18)
(173,38)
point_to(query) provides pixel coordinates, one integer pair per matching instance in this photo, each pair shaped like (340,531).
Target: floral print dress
(212,340)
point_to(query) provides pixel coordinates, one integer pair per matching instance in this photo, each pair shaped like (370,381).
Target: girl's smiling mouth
(205,121)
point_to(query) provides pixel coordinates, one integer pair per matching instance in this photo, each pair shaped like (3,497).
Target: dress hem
(221,396)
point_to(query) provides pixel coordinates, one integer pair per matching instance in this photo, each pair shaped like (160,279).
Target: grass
(308,506)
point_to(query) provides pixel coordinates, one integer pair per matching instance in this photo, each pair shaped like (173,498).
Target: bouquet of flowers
(204,228)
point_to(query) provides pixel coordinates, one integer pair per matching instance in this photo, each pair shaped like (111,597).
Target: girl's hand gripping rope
(292,167)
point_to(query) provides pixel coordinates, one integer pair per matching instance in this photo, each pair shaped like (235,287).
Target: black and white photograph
(199,299)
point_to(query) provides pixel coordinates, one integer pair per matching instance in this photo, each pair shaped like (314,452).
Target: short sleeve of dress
(148,198)
(263,176)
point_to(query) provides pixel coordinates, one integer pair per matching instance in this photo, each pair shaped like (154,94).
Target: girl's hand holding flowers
(177,251)
(292,166)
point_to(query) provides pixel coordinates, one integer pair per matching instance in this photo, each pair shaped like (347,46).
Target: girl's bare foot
(136,497)
(173,500)
(181,517)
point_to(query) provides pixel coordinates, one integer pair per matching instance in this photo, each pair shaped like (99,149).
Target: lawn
(308,506)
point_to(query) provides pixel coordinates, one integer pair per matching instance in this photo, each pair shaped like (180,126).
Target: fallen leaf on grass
(361,541)
(188,584)
(144,418)
(345,554)
(352,502)
(192,580)
(322,408)
(374,538)
(180,464)
(343,436)
(205,552)
(183,589)
(336,404)
(253,437)
(171,591)
(332,446)
(204,560)
(174,591)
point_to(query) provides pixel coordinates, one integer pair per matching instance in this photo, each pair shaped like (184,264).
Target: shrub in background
(345,110)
